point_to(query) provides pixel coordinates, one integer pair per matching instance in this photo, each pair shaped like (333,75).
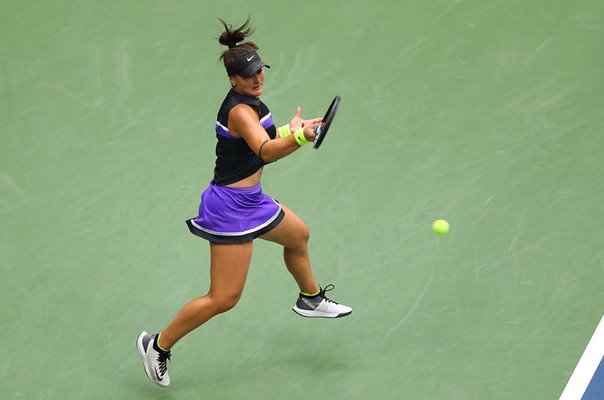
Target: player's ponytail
(230,37)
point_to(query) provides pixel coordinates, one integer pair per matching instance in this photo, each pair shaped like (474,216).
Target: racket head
(323,127)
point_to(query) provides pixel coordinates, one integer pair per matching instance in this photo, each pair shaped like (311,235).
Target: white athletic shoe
(154,361)
(320,306)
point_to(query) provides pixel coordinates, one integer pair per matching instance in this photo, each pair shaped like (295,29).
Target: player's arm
(244,123)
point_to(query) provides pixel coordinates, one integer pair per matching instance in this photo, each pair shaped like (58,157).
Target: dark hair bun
(230,37)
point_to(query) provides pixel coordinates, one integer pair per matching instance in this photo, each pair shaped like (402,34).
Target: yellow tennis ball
(440,227)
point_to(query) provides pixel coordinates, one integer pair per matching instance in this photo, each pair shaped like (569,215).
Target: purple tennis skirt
(235,215)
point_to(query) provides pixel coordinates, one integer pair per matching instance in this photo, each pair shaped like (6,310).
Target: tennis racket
(322,129)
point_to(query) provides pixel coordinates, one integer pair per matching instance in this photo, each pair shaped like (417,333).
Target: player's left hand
(297,122)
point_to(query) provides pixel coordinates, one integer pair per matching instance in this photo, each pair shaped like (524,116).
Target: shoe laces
(327,289)
(163,358)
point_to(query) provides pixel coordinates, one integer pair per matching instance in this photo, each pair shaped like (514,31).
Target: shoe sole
(318,314)
(141,352)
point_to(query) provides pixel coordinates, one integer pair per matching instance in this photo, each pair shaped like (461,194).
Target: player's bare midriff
(251,180)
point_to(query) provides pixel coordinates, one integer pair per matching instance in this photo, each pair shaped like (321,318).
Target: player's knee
(304,234)
(226,302)
(299,241)
(229,302)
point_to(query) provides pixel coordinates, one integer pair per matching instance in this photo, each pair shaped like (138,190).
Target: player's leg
(228,272)
(293,234)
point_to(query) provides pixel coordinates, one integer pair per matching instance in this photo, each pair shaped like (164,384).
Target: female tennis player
(234,211)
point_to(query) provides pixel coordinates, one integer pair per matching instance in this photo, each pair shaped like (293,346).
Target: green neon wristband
(300,138)
(284,131)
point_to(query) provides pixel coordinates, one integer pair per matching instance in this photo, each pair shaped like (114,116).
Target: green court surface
(485,113)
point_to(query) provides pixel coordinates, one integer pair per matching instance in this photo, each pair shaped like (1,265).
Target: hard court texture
(485,113)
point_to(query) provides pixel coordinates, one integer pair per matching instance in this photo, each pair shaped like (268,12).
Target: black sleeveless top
(234,158)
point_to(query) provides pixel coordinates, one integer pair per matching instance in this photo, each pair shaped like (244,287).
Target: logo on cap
(250,59)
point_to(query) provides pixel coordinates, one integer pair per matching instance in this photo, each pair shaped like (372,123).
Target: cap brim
(252,68)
